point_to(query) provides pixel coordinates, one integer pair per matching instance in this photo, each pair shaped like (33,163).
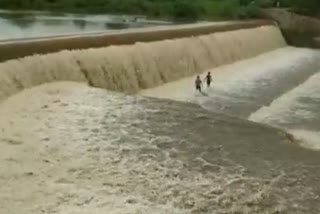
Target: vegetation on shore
(172,9)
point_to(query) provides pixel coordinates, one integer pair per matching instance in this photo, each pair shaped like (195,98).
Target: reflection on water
(37,24)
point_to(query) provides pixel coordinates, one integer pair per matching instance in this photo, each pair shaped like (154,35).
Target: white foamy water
(67,148)
(297,110)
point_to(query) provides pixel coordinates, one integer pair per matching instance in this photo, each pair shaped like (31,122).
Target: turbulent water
(297,111)
(70,148)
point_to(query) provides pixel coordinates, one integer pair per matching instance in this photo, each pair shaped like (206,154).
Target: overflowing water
(131,68)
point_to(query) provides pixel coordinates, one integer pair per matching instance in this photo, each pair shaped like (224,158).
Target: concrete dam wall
(17,48)
(299,30)
(130,68)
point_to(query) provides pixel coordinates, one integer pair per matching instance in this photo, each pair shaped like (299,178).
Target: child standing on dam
(198,84)
(208,79)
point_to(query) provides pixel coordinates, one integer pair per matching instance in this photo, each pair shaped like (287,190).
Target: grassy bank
(170,9)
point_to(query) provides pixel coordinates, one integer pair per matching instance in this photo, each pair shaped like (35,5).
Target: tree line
(170,9)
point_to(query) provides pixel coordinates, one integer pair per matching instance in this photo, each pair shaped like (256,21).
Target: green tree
(188,10)
(184,10)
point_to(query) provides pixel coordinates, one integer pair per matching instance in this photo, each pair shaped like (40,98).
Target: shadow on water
(116,25)
(22,22)
(80,23)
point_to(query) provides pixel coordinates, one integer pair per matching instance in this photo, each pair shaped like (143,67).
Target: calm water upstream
(16,25)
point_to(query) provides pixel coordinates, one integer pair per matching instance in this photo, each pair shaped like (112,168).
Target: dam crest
(131,68)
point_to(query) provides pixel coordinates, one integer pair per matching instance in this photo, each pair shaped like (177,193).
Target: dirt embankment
(299,30)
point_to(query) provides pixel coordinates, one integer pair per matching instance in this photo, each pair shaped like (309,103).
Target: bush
(185,10)
(250,11)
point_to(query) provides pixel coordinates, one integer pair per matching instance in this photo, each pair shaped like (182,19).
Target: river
(248,144)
